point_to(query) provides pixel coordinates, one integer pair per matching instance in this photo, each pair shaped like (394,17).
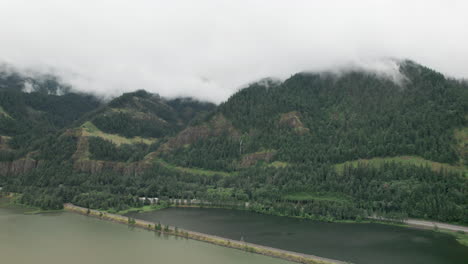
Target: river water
(357,243)
(67,238)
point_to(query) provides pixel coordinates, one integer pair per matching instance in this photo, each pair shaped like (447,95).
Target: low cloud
(208,49)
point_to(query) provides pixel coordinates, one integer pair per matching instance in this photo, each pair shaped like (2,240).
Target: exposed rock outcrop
(99,166)
(252,159)
(217,126)
(293,120)
(17,166)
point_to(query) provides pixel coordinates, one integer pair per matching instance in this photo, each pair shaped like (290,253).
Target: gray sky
(208,49)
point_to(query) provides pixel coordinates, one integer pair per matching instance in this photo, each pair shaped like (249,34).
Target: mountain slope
(328,119)
(276,145)
(27,117)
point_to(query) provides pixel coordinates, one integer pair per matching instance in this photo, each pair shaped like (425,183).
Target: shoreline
(458,231)
(410,222)
(220,241)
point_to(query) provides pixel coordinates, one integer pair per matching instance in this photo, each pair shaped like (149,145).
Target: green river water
(66,238)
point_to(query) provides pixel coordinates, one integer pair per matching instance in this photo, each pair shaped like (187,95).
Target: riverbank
(170,230)
(458,231)
(435,225)
(9,200)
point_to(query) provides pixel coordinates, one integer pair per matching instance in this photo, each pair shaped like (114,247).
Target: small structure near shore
(151,200)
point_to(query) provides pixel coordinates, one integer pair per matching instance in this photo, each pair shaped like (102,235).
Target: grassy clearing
(191,170)
(278,164)
(134,112)
(309,196)
(3,113)
(5,138)
(461,136)
(90,130)
(410,160)
(146,208)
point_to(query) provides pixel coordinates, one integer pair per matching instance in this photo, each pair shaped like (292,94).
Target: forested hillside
(325,119)
(34,109)
(318,145)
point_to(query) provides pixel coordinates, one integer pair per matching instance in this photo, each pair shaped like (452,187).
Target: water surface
(357,243)
(75,239)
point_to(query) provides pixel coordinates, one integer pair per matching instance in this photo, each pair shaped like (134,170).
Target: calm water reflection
(358,243)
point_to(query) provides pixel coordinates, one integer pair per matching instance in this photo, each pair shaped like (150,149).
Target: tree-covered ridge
(148,115)
(276,145)
(29,117)
(13,80)
(332,119)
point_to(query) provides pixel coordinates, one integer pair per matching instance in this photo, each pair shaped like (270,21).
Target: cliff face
(252,159)
(99,166)
(217,126)
(293,121)
(18,166)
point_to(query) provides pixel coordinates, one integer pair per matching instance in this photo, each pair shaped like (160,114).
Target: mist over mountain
(184,48)
(335,145)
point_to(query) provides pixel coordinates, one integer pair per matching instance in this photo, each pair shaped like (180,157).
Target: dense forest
(277,145)
(331,120)
(29,118)
(148,115)
(322,194)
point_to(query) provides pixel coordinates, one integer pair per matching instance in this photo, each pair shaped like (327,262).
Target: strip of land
(426,224)
(431,224)
(241,245)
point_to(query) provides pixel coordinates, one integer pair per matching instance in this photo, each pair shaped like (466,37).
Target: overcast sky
(208,49)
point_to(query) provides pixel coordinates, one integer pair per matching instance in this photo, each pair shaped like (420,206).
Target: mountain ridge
(268,141)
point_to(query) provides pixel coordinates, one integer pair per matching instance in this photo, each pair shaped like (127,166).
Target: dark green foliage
(126,124)
(357,115)
(215,153)
(148,115)
(56,149)
(30,118)
(102,149)
(44,199)
(331,120)
(391,190)
(190,110)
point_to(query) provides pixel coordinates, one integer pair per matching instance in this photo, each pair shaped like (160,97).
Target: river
(75,239)
(357,243)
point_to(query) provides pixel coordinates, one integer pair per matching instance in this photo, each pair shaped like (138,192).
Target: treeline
(393,189)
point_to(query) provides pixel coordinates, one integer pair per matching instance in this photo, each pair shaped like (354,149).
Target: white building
(152,200)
